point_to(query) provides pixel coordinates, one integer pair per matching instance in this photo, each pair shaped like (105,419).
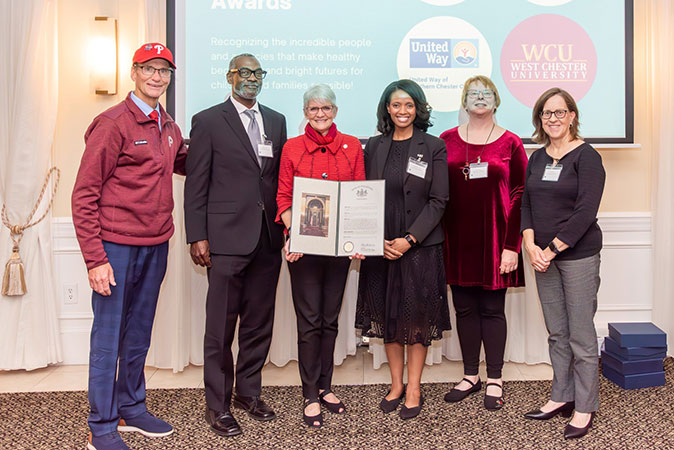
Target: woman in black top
(402,297)
(564,185)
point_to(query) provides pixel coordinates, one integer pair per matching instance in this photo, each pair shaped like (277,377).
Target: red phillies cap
(153,50)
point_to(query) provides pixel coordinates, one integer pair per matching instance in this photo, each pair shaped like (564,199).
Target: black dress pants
(317,287)
(244,288)
(480,318)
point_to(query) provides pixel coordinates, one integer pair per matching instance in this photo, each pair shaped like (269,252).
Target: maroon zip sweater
(124,188)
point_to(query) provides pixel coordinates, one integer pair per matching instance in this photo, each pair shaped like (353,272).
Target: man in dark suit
(230,206)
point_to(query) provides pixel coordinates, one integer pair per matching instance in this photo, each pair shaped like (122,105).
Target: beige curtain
(660,66)
(29,334)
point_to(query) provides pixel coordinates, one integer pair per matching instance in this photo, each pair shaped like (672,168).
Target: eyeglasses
(473,93)
(148,71)
(314,109)
(245,72)
(559,113)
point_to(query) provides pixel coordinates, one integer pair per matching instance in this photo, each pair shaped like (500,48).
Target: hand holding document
(337,218)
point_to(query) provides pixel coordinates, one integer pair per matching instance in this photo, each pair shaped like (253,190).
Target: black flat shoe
(409,413)
(493,403)
(332,407)
(456,395)
(309,420)
(565,410)
(571,432)
(391,405)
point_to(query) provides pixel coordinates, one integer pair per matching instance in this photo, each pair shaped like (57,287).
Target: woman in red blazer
(317,281)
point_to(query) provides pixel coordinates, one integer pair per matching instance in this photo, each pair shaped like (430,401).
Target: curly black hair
(422,120)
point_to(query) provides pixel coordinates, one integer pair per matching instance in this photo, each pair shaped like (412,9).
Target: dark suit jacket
(425,199)
(227,194)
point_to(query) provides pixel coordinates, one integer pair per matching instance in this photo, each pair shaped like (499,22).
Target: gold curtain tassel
(14,282)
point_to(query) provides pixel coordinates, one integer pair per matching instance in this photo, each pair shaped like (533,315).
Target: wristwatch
(553,248)
(409,239)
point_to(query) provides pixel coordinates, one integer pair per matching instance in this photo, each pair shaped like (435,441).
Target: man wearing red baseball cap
(151,51)
(122,204)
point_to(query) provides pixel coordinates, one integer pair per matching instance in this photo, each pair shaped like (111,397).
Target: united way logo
(444,53)
(465,53)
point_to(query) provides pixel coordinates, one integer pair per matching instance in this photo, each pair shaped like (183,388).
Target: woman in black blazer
(402,297)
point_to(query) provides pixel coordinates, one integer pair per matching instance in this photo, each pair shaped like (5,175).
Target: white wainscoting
(626,292)
(625,295)
(70,270)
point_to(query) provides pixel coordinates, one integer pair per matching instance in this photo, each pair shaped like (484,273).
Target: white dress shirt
(245,120)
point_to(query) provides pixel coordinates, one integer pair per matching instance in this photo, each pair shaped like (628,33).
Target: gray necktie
(253,133)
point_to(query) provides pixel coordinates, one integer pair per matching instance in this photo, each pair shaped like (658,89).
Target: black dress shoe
(409,413)
(571,432)
(491,402)
(456,395)
(254,406)
(222,422)
(391,405)
(565,410)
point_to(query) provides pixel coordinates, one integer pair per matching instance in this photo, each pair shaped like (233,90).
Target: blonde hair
(484,80)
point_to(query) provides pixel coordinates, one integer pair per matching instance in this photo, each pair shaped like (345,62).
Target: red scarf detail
(318,137)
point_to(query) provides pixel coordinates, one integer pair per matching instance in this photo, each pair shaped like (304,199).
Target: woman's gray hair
(320,92)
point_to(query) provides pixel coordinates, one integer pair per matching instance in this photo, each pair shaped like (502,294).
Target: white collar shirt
(245,120)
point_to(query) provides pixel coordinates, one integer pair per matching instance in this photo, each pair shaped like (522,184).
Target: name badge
(552,172)
(143,142)
(478,170)
(265,149)
(417,167)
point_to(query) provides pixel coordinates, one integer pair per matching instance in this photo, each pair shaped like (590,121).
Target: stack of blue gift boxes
(633,355)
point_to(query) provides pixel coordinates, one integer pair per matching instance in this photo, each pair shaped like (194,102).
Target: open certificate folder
(337,218)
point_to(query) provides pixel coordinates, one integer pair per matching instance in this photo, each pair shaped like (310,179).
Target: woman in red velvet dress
(317,281)
(487,166)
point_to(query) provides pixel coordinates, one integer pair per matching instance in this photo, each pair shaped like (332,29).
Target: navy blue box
(636,381)
(631,367)
(633,353)
(637,334)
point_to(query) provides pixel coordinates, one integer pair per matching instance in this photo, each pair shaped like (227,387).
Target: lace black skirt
(405,300)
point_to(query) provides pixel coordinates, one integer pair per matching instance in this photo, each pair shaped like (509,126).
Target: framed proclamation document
(337,218)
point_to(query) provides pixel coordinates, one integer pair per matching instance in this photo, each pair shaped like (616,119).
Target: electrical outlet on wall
(70,294)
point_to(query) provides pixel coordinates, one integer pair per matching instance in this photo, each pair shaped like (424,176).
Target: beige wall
(77,104)
(628,184)
(628,171)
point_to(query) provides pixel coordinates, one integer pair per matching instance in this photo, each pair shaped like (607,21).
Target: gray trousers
(568,294)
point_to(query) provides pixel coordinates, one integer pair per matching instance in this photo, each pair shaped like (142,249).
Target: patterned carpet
(638,419)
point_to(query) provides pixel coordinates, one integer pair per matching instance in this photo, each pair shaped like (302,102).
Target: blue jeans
(121,333)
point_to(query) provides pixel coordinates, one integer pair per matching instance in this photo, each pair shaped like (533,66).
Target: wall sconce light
(103,56)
